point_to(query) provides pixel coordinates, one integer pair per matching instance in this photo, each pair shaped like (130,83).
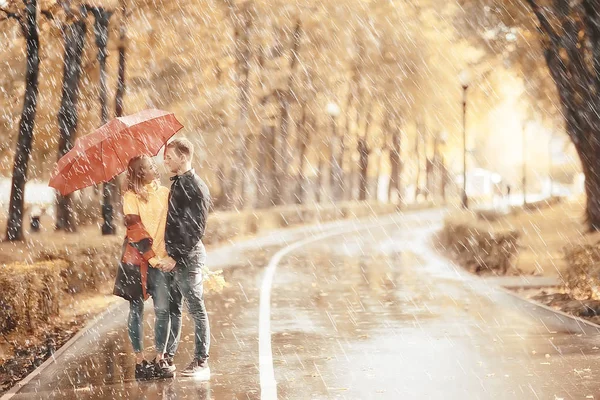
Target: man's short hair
(183,147)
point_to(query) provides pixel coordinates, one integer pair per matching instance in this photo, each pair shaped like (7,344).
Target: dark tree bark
(101,21)
(320,176)
(29,29)
(363,162)
(303,141)
(363,166)
(121,87)
(396,166)
(379,165)
(572,52)
(120,93)
(418,158)
(284,105)
(384,147)
(439,170)
(352,181)
(264,166)
(345,134)
(264,173)
(335,171)
(74,40)
(273,173)
(241,20)
(222,179)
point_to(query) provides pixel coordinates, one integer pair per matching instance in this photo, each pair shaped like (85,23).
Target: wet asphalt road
(367,314)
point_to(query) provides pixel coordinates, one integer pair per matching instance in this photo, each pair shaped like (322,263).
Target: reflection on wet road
(367,314)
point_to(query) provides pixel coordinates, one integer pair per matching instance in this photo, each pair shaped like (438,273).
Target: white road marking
(268,385)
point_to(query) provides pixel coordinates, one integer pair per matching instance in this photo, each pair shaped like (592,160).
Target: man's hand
(166,264)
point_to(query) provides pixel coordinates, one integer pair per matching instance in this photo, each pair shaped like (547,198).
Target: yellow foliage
(214,280)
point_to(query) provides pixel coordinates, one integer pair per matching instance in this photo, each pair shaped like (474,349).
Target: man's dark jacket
(189,203)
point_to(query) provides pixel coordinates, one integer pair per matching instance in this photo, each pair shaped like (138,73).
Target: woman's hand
(166,264)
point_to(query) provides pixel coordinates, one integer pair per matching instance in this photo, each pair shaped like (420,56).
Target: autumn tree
(74,32)
(101,21)
(26,17)
(571,40)
(121,47)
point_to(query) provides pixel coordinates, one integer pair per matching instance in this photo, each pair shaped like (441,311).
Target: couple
(163,257)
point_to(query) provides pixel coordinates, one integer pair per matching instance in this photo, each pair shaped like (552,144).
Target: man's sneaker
(170,363)
(162,370)
(144,371)
(198,369)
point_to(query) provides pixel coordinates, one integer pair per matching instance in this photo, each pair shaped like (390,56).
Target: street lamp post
(336,174)
(465,79)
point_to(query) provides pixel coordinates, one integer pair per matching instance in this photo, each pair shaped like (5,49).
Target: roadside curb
(581,325)
(592,328)
(51,360)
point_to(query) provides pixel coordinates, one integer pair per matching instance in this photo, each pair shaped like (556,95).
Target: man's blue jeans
(188,274)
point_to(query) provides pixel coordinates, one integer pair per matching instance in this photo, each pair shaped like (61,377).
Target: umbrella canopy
(106,152)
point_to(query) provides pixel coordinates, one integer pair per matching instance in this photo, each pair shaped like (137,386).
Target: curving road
(350,310)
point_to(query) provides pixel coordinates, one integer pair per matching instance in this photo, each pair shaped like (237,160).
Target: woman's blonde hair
(135,177)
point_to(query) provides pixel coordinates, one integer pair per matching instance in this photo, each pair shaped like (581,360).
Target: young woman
(145,204)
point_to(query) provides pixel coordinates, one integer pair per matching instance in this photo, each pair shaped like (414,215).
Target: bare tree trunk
(345,134)
(339,161)
(320,175)
(428,178)
(428,168)
(122,59)
(352,184)
(302,145)
(396,167)
(101,21)
(120,92)
(384,146)
(590,165)
(74,41)
(222,179)
(418,158)
(363,165)
(273,174)
(439,172)
(283,150)
(364,152)
(380,161)
(242,20)
(572,52)
(262,167)
(29,29)
(336,175)
(284,104)
(248,176)
(444,179)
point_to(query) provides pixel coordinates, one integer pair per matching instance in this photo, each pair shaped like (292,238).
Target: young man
(186,221)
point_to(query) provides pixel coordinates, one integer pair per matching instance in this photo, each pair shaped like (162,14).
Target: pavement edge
(50,360)
(580,321)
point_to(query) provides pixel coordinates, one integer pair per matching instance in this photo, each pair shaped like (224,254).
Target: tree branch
(17,17)
(544,23)
(10,14)
(592,23)
(48,14)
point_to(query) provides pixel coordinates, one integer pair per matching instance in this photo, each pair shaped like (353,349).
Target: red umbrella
(105,153)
